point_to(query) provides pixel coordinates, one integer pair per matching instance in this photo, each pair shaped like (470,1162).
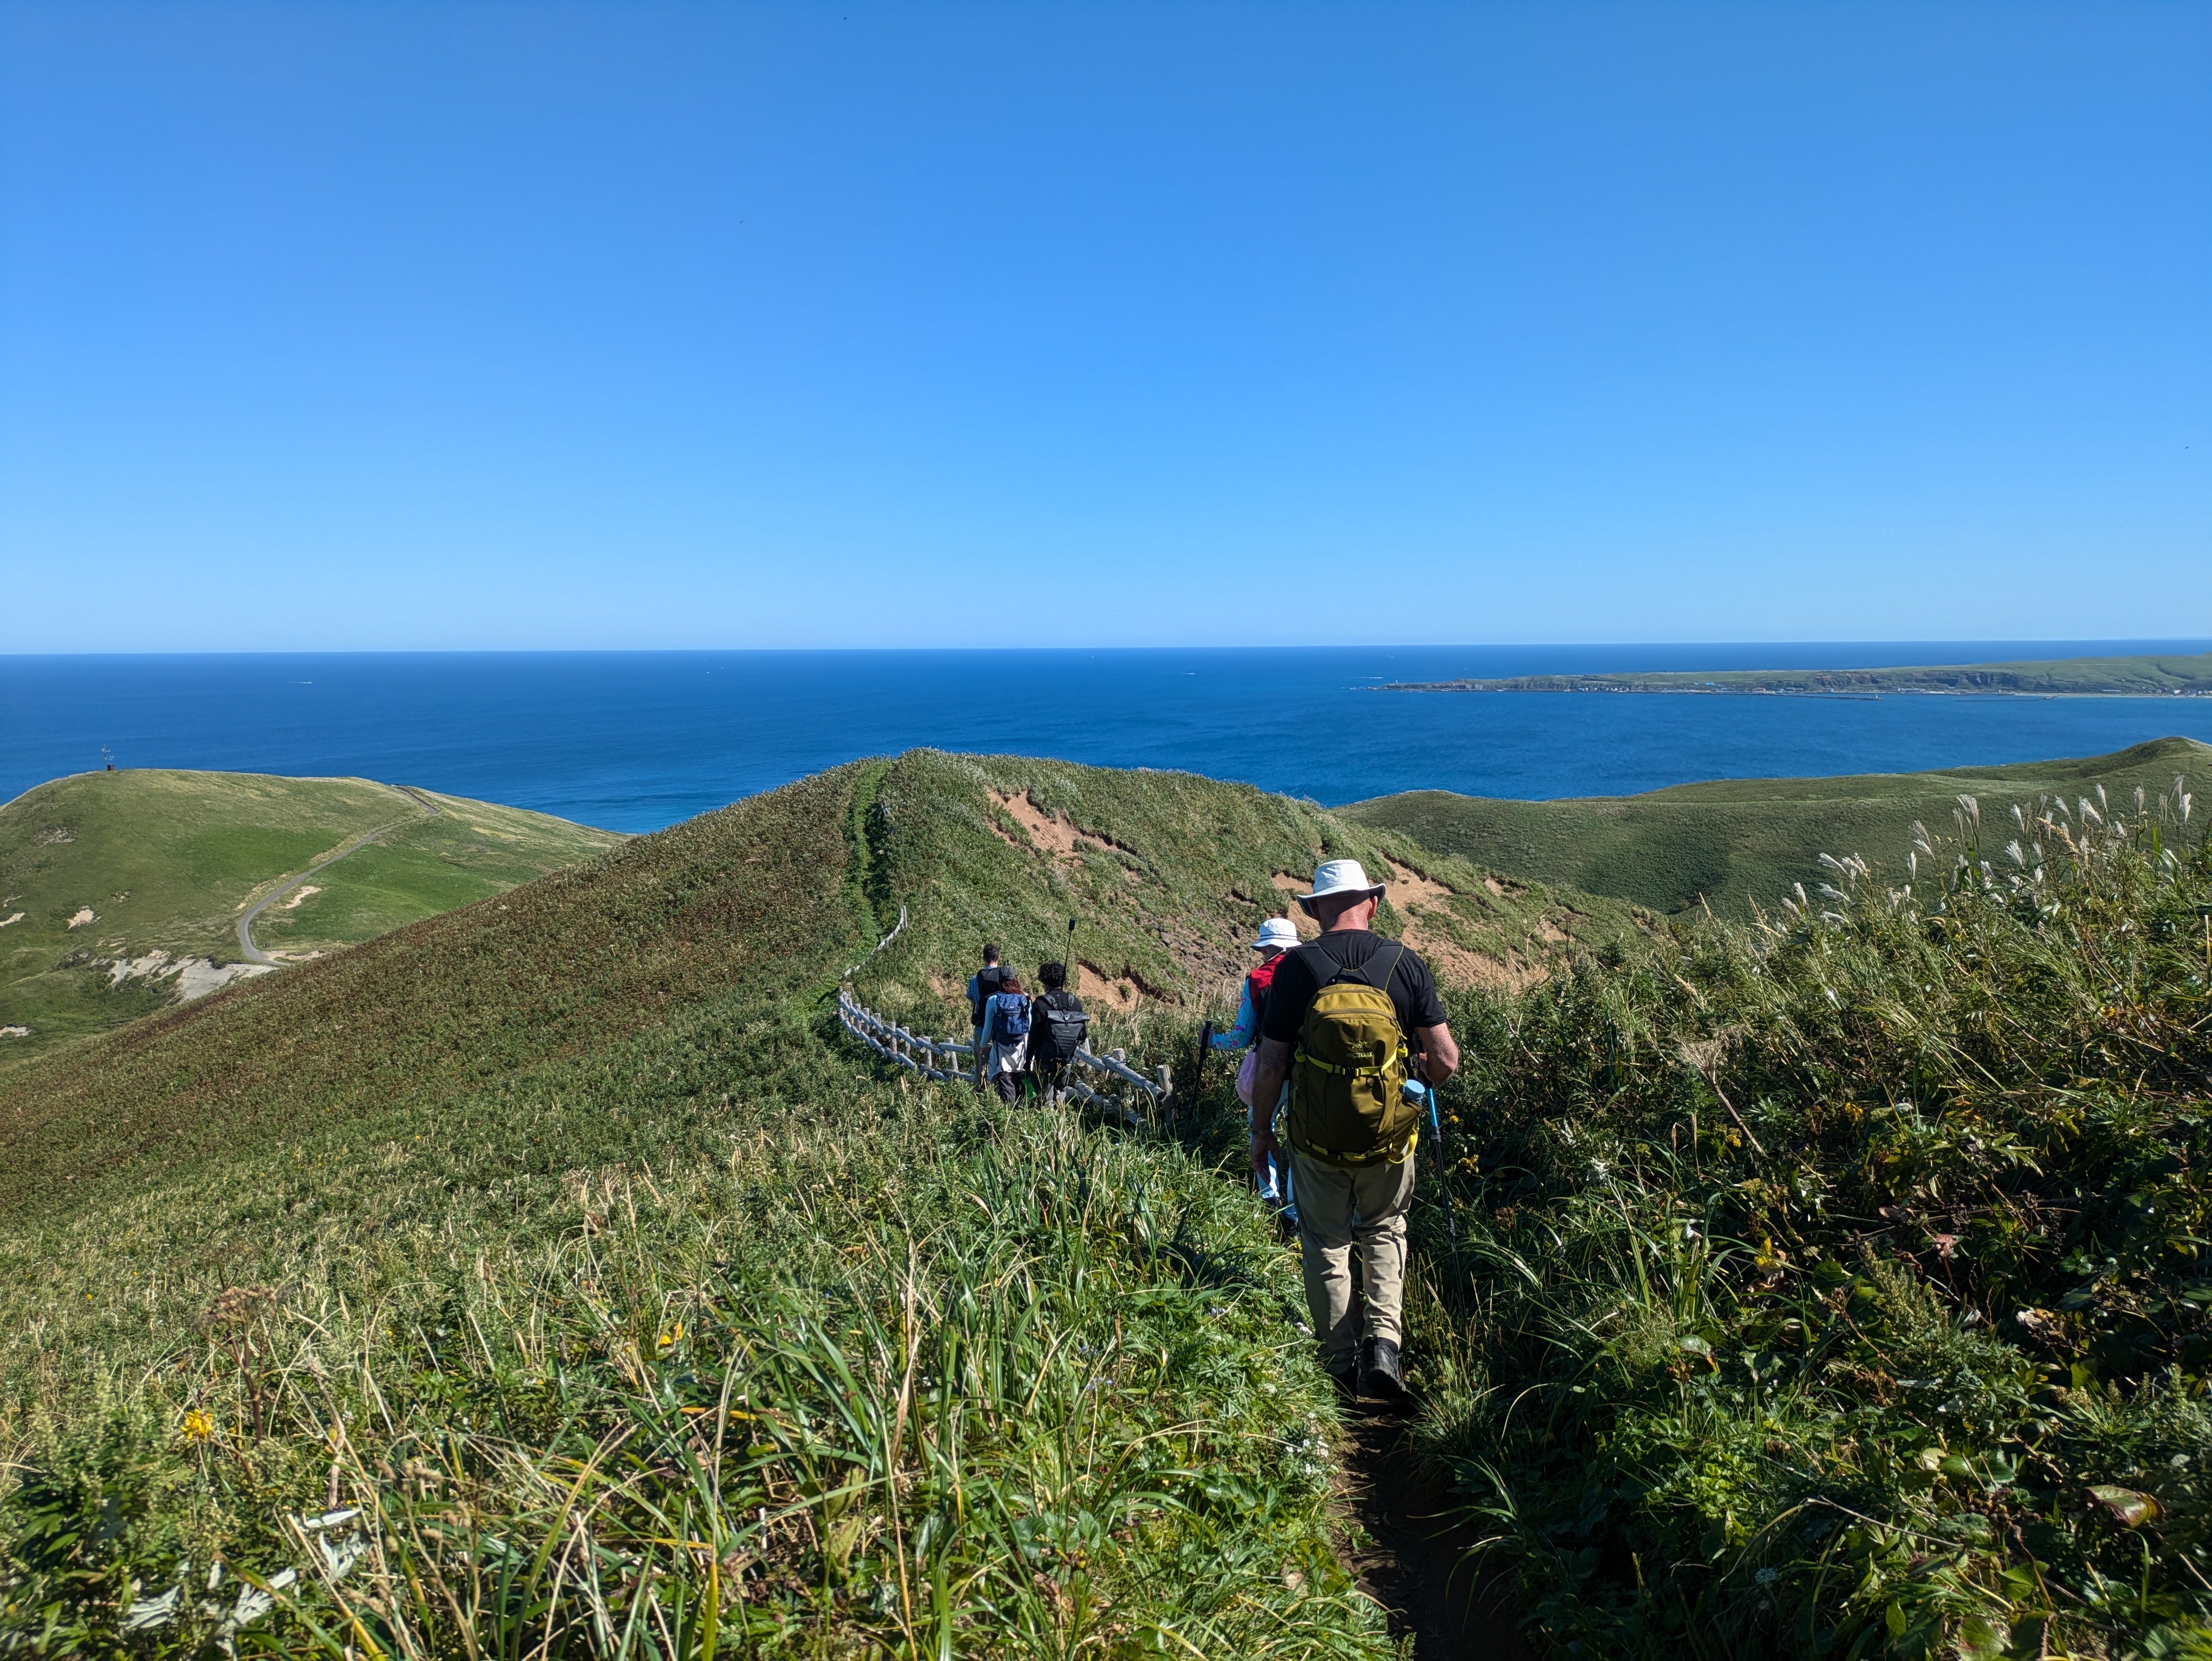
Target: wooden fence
(1107,1082)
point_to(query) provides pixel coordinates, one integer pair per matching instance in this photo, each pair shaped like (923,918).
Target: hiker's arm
(1439,1054)
(1267,1075)
(1247,1018)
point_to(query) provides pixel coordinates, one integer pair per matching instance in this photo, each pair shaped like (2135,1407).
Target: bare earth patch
(14,1032)
(1417,899)
(304,891)
(127,969)
(1286,884)
(13,917)
(1408,888)
(1117,992)
(85,914)
(196,977)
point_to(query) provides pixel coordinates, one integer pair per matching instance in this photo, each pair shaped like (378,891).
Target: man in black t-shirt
(1361,1203)
(983,986)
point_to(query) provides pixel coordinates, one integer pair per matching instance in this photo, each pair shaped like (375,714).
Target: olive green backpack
(1346,1108)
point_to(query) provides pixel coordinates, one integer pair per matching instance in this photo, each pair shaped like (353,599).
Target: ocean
(636,740)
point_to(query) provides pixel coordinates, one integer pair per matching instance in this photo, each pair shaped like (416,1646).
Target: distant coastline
(2074,677)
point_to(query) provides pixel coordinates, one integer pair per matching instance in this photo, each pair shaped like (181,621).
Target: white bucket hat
(1278,932)
(1334,877)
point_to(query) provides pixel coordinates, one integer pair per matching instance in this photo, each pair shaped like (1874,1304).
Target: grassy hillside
(1838,1287)
(1742,843)
(146,868)
(561,1236)
(2130,677)
(547,1277)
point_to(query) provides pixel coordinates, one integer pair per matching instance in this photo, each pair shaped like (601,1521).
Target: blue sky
(421,326)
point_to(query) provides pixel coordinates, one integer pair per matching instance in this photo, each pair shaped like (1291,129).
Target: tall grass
(925,1378)
(1837,1286)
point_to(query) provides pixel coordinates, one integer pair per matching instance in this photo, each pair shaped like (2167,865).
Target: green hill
(549,1277)
(121,892)
(1738,843)
(564,1222)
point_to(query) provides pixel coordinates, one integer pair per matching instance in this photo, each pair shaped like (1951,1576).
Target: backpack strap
(1360,973)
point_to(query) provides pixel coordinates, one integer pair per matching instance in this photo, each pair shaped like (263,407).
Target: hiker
(1277,936)
(1057,1026)
(1341,1013)
(981,986)
(1006,1032)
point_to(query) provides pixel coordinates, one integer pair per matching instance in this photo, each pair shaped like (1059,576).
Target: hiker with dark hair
(1006,1036)
(1350,1017)
(1057,1026)
(981,986)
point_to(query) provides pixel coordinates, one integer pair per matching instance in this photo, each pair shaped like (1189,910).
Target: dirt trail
(253,953)
(1412,1558)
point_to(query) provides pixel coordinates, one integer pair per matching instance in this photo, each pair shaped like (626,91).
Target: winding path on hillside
(254,954)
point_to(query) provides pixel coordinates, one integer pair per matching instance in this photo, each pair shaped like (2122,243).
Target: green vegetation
(563,1237)
(1737,843)
(1840,1287)
(2138,677)
(548,1276)
(147,868)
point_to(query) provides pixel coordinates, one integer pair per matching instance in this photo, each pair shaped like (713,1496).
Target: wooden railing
(1107,1082)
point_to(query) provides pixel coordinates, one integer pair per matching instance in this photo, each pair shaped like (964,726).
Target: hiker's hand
(1263,1147)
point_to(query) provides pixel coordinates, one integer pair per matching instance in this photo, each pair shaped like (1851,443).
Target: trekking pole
(1198,1067)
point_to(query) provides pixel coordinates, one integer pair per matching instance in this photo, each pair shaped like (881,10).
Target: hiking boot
(1378,1373)
(1347,1383)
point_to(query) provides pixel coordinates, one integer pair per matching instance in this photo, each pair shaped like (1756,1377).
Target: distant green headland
(2142,676)
(122,893)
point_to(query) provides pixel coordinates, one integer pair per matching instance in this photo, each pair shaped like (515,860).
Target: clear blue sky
(418,326)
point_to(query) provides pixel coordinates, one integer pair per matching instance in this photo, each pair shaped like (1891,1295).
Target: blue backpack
(1010,1017)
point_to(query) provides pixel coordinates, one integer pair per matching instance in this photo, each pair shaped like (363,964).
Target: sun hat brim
(1337,893)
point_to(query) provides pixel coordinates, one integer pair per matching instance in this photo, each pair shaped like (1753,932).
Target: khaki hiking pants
(1340,1207)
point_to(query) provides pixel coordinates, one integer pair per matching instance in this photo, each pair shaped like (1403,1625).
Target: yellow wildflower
(198,1426)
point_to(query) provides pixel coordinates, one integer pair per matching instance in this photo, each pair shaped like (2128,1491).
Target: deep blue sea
(635,740)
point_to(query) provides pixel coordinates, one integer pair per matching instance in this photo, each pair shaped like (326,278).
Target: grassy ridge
(2125,677)
(561,1236)
(164,862)
(1738,843)
(1170,875)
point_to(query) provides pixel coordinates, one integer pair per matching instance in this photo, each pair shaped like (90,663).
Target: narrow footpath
(1409,1554)
(253,953)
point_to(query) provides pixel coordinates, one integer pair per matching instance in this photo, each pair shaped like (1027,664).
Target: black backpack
(1061,1033)
(988,981)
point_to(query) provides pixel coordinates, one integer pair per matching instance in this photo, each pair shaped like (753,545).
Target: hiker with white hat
(1277,936)
(1350,1017)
